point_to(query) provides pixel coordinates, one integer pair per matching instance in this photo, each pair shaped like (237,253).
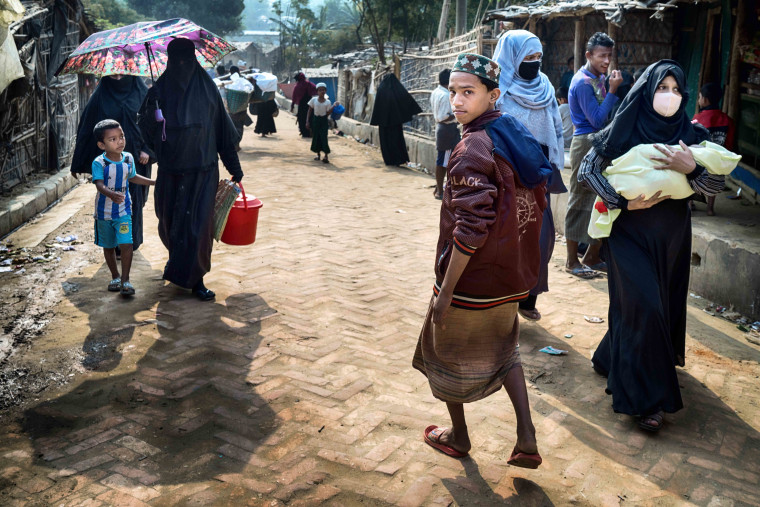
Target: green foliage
(108,14)
(220,17)
(308,38)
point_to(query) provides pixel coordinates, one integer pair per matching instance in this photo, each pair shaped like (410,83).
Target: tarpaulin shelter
(38,111)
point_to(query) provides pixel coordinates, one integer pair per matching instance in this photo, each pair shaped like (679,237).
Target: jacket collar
(481,121)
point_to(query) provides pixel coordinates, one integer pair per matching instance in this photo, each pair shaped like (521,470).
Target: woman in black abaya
(394,106)
(197,128)
(116,98)
(302,94)
(649,249)
(265,112)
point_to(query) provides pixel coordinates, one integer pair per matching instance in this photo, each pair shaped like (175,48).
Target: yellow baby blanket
(634,174)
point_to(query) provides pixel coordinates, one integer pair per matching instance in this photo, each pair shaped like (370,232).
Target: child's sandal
(114,285)
(127,289)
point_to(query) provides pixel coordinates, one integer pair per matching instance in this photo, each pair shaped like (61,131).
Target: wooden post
(614,33)
(705,69)
(744,9)
(532,25)
(442,23)
(580,43)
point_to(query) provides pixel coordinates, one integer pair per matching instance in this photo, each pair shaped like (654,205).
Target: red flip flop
(523,460)
(432,437)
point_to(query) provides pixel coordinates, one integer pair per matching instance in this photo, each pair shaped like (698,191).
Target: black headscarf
(636,121)
(197,124)
(115,99)
(393,104)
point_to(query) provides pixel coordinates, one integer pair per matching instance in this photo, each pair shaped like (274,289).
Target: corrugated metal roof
(612,10)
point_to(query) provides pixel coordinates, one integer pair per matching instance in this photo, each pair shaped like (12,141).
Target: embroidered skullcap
(321,85)
(478,65)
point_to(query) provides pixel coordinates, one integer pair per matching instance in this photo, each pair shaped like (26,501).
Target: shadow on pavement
(706,440)
(185,410)
(112,318)
(474,489)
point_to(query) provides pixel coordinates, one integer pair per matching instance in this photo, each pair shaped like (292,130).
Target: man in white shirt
(446,129)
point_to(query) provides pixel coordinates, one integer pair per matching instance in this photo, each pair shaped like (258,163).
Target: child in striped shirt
(112,172)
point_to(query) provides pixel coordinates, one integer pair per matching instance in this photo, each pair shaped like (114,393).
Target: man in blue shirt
(590,106)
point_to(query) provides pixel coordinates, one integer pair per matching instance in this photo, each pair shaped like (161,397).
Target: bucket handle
(245,200)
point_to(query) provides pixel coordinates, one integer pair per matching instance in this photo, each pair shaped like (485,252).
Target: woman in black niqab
(648,253)
(116,98)
(393,107)
(197,132)
(636,121)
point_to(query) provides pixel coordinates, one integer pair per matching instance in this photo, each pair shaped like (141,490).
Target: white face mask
(666,103)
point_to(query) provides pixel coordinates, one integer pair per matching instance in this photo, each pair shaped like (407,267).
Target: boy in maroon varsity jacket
(487,259)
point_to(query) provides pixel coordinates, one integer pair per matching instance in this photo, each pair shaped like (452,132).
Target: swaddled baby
(634,174)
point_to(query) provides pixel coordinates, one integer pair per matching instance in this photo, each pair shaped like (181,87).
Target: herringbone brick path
(295,387)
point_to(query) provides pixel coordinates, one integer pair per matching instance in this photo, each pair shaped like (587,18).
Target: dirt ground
(308,351)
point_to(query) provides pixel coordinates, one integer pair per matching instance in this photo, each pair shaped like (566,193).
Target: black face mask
(529,70)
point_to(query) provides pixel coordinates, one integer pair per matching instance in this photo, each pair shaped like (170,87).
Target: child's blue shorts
(111,233)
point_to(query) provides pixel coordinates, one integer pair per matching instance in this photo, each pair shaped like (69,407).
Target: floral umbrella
(140,49)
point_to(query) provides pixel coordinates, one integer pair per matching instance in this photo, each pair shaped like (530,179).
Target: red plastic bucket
(242,221)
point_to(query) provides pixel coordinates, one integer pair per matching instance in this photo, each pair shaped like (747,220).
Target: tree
(108,14)
(222,17)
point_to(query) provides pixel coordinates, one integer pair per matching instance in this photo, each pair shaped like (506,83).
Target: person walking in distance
(446,130)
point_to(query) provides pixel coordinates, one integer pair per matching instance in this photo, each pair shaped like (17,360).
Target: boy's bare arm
(141,180)
(308,116)
(115,196)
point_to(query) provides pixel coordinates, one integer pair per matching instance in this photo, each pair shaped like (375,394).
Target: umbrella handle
(149,53)
(245,199)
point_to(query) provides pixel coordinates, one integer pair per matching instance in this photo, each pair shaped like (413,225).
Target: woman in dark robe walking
(394,106)
(116,98)
(196,129)
(265,112)
(649,248)
(302,94)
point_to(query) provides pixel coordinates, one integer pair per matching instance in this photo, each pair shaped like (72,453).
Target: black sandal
(658,417)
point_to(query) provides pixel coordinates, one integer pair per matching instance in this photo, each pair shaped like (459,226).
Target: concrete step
(19,209)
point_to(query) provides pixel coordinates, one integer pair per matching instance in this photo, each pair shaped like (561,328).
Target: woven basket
(226,193)
(237,101)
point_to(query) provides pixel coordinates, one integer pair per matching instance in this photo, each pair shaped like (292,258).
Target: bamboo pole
(580,43)
(614,33)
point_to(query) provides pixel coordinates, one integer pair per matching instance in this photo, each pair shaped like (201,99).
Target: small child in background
(319,107)
(567,121)
(721,127)
(111,173)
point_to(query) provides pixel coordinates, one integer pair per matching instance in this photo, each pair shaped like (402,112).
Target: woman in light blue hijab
(527,94)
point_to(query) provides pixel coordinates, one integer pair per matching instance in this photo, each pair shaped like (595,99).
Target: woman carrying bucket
(185,122)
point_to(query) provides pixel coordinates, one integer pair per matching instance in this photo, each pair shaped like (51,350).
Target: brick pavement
(295,387)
